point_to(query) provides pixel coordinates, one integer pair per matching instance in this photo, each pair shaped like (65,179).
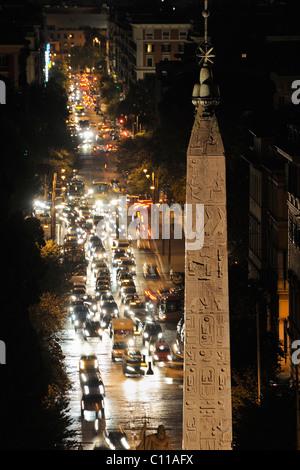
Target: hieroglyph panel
(207,420)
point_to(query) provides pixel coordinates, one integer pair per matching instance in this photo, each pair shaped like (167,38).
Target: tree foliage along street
(33,410)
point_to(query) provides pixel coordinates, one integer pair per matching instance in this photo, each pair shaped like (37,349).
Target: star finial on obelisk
(206,92)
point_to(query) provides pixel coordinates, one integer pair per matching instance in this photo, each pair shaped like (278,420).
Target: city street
(152,399)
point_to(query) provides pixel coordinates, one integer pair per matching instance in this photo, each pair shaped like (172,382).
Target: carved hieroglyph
(207,419)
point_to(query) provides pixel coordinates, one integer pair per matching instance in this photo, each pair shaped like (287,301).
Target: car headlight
(95,363)
(159,335)
(130,342)
(130,368)
(101,389)
(86,390)
(81,364)
(125,443)
(155,357)
(169,357)
(76,322)
(116,310)
(146,335)
(104,310)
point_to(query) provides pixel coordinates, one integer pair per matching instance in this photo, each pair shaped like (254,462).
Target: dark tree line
(33,380)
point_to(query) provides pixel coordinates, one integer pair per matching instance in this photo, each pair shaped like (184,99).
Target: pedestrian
(171,274)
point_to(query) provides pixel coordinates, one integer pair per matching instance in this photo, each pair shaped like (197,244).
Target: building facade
(268,235)
(66,28)
(136,45)
(290,151)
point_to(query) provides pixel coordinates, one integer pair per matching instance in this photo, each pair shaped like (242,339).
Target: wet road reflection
(129,402)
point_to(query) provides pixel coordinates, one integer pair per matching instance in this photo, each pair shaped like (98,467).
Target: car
(174,370)
(111,307)
(107,297)
(118,349)
(94,240)
(87,299)
(103,281)
(123,276)
(133,364)
(139,313)
(97,263)
(105,322)
(116,439)
(127,290)
(77,292)
(75,303)
(91,329)
(143,245)
(128,263)
(88,361)
(121,269)
(92,407)
(126,283)
(79,315)
(124,244)
(130,298)
(91,382)
(118,256)
(100,290)
(99,252)
(150,271)
(101,271)
(161,353)
(93,306)
(151,332)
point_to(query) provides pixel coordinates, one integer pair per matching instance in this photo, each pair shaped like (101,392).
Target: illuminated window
(149,48)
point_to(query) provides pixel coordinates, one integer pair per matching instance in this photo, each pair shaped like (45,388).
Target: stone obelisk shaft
(207,420)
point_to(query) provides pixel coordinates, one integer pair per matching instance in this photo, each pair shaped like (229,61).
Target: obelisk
(207,410)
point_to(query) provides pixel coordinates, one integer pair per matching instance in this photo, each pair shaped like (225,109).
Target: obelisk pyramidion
(207,410)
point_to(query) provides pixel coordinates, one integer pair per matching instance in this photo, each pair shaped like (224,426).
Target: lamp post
(53,221)
(152,187)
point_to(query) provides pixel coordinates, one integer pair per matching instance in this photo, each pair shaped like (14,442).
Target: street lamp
(152,187)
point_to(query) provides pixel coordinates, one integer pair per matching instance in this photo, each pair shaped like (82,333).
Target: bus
(167,305)
(101,191)
(79,110)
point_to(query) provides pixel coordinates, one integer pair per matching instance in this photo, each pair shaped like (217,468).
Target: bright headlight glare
(125,443)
